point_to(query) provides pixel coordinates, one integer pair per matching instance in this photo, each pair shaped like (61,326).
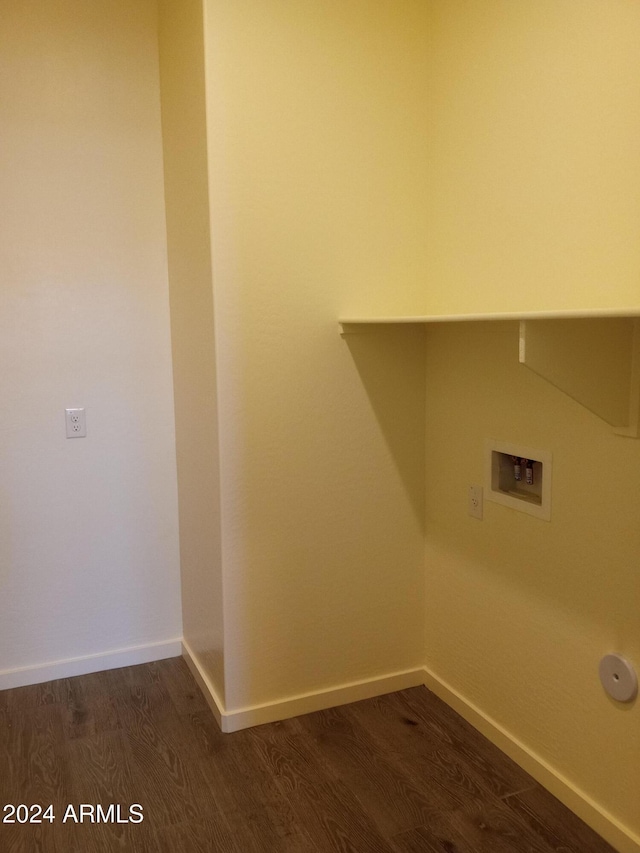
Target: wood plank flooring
(402,773)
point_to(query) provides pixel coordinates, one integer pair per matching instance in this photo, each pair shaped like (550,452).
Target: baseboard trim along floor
(67,668)
(618,835)
(294,706)
(231,720)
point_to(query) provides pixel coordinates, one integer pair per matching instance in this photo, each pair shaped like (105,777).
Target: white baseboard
(294,706)
(618,835)
(204,683)
(306,703)
(69,667)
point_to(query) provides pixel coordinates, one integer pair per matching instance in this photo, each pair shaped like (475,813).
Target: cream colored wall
(192,330)
(534,205)
(315,123)
(534,175)
(88,533)
(519,610)
(457,157)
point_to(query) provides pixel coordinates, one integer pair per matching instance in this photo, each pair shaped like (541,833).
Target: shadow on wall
(391,363)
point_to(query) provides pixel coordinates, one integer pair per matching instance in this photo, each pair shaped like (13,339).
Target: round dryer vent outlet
(618,678)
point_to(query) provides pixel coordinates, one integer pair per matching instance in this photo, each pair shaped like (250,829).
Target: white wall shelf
(593,356)
(567,314)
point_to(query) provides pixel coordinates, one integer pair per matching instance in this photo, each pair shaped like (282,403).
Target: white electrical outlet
(474,506)
(76,423)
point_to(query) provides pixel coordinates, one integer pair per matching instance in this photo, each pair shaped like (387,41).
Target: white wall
(88,527)
(193,337)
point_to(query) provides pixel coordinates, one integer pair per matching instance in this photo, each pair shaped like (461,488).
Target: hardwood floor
(402,773)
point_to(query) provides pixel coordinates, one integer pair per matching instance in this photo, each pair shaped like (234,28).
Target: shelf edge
(566,314)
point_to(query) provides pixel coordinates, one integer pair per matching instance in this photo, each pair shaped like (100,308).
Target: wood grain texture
(388,792)
(560,828)
(396,774)
(467,744)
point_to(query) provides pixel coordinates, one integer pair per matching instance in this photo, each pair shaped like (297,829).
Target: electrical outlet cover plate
(76,423)
(475,502)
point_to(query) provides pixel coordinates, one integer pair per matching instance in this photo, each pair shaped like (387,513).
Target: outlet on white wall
(76,423)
